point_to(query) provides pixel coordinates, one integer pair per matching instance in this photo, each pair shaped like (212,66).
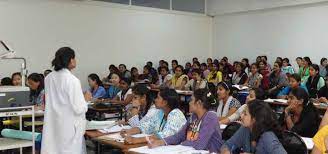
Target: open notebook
(171,149)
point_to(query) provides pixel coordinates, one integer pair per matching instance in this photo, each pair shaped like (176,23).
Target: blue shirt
(287,90)
(164,128)
(112,91)
(100,92)
(268,143)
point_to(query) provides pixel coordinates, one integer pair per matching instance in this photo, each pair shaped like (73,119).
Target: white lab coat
(64,118)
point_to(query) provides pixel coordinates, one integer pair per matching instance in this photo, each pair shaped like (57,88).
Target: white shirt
(119,94)
(64,118)
(167,78)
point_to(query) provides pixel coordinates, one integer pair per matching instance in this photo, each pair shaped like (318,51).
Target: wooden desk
(109,110)
(93,135)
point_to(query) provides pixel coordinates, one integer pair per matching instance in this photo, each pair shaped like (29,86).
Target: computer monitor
(14,96)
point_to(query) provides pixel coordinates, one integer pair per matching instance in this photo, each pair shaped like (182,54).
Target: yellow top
(176,82)
(212,79)
(319,139)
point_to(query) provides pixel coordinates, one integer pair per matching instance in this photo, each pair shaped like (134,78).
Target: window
(116,1)
(197,6)
(162,4)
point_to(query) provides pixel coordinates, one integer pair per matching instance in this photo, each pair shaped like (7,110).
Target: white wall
(219,7)
(101,33)
(292,32)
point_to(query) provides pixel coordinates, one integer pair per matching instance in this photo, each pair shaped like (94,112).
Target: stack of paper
(223,126)
(114,129)
(172,149)
(92,125)
(115,137)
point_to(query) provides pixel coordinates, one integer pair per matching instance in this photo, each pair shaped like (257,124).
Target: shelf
(9,143)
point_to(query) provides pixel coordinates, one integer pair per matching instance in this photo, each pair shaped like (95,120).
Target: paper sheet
(114,129)
(172,149)
(240,87)
(116,137)
(308,142)
(92,125)
(283,101)
(139,135)
(223,126)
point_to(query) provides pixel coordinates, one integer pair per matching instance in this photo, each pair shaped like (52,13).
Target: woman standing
(64,118)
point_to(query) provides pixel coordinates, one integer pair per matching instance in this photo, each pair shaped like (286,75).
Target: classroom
(163,77)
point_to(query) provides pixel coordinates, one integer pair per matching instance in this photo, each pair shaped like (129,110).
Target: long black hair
(265,119)
(63,58)
(36,78)
(205,97)
(95,77)
(171,96)
(142,90)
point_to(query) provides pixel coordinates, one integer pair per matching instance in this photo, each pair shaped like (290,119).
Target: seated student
(125,96)
(209,61)
(113,86)
(200,131)
(278,80)
(304,70)
(135,75)
(239,77)
(323,67)
(205,70)
(153,72)
(265,72)
(96,88)
(265,59)
(323,92)
(146,76)
(286,67)
(215,76)
(227,104)
(36,84)
(195,65)
(279,59)
(142,106)
(112,69)
(16,79)
(300,116)
(247,67)
(6,81)
(46,72)
(228,68)
(255,78)
(256,93)
(124,72)
(166,122)
(179,80)
(174,64)
(315,81)
(259,132)
(187,68)
(197,82)
(294,82)
(163,79)
(321,137)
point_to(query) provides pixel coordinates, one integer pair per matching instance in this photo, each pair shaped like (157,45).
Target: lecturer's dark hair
(63,58)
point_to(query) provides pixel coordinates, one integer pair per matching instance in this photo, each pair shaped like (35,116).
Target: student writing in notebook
(201,130)
(166,122)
